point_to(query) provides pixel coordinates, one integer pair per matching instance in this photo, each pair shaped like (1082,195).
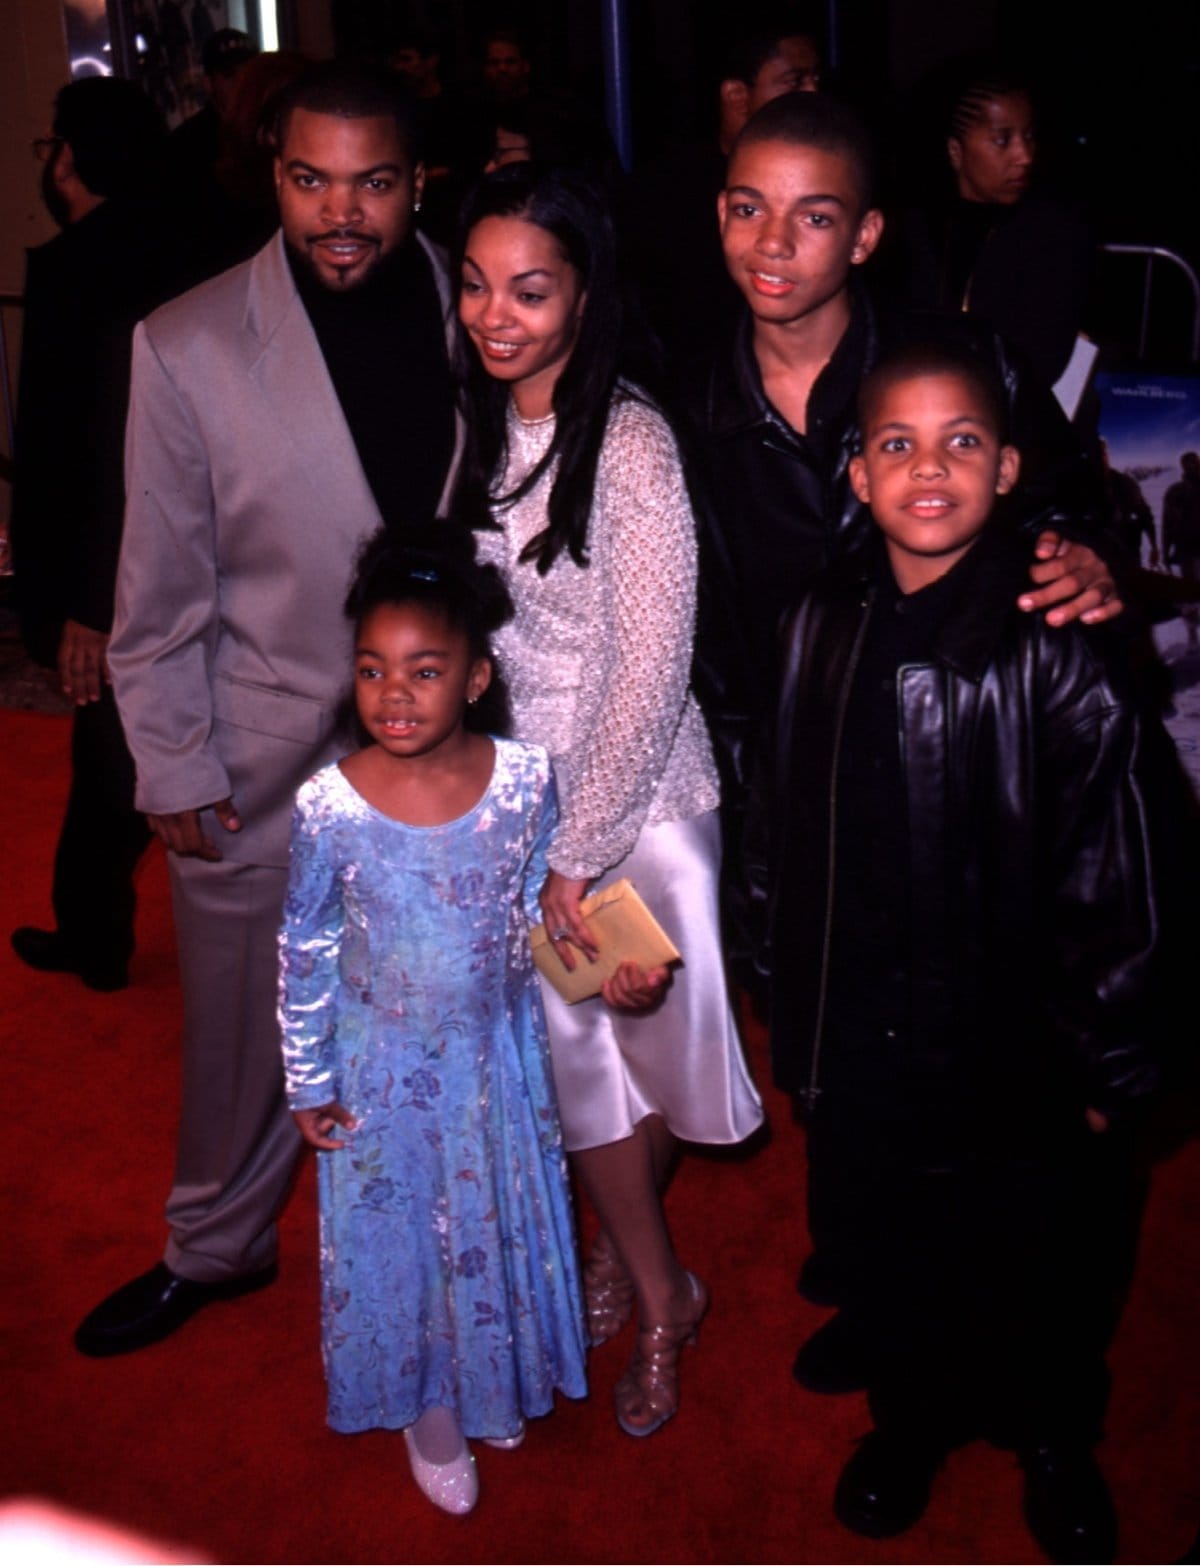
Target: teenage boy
(965,925)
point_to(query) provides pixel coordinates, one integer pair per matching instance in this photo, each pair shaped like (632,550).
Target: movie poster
(1150,425)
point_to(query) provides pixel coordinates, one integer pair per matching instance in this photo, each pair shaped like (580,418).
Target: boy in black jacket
(963,936)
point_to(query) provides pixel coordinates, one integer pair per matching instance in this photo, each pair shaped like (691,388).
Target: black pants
(982,1274)
(102,838)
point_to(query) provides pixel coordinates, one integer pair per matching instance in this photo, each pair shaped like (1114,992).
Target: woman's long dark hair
(570,206)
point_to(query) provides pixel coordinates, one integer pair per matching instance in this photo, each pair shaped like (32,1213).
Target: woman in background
(991,243)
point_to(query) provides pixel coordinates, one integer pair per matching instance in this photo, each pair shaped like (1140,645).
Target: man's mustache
(334,234)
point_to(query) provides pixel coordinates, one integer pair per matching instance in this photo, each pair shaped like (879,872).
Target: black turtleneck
(384,344)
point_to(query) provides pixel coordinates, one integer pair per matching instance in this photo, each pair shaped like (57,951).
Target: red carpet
(216,1438)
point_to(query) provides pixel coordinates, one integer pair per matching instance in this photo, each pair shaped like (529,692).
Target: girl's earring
(416,206)
(471,700)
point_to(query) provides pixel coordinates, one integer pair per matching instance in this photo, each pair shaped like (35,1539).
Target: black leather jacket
(1032,784)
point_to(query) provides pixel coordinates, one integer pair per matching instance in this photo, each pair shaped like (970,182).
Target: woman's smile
(516,279)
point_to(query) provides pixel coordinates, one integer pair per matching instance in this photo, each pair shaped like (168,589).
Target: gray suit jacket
(246,506)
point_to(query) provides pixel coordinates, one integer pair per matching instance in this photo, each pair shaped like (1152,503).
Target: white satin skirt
(682,1061)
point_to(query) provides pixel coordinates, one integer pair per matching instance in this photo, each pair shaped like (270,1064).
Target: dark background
(1118,99)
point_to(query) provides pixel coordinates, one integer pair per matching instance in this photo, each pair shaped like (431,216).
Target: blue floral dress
(407,993)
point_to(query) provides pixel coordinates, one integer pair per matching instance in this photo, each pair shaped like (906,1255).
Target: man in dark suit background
(116,258)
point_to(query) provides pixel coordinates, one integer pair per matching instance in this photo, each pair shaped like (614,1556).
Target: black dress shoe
(884,1488)
(153,1306)
(1067,1504)
(48,952)
(832,1361)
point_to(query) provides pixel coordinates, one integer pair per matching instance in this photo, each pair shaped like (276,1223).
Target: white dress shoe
(454,1486)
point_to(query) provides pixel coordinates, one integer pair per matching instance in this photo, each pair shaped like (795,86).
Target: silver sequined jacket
(597,659)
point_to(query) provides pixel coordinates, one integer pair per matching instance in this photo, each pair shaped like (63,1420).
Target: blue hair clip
(425,576)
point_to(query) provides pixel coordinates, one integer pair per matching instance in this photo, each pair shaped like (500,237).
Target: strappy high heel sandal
(607,1292)
(652,1381)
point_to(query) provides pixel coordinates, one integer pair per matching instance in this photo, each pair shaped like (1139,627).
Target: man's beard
(343,281)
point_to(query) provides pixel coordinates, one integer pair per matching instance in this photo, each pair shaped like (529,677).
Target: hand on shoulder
(1074,583)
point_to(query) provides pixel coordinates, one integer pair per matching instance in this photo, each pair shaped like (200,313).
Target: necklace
(532,424)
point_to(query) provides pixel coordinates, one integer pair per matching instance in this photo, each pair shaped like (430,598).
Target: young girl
(414,1040)
(576,480)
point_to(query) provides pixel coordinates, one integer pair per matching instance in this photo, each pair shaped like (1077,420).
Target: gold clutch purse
(625,931)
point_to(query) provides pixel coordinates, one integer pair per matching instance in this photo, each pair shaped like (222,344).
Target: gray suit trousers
(238,1143)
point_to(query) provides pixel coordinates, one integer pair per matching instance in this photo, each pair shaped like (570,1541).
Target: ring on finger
(560,934)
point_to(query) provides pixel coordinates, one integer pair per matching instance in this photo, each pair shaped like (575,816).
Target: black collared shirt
(773,496)
(832,403)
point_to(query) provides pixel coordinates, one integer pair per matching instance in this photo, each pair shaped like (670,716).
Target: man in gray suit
(277,413)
